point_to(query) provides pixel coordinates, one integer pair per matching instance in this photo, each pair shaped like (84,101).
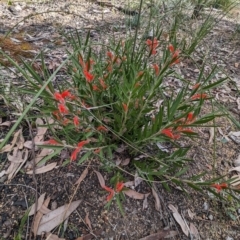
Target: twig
(20,185)
(33,175)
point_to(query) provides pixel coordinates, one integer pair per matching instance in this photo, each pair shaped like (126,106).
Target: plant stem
(136,32)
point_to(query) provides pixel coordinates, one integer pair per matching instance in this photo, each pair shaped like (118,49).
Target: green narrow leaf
(45,159)
(215,84)
(184,170)
(84,158)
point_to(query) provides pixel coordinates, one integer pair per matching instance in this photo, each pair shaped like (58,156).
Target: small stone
(210,217)
(238,211)
(21,203)
(206,206)
(229,238)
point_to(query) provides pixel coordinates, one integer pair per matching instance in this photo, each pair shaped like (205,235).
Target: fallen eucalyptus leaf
(87,220)
(39,204)
(82,177)
(56,217)
(194,231)
(133,194)
(43,169)
(100,179)
(157,200)
(51,236)
(39,216)
(211,133)
(179,219)
(160,235)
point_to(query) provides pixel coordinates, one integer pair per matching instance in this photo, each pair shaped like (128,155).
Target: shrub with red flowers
(120,97)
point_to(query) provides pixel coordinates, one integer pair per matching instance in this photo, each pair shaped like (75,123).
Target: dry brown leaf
(237,161)
(145,201)
(194,231)
(20,140)
(137,179)
(238,103)
(40,131)
(157,200)
(90,236)
(9,147)
(211,135)
(82,177)
(125,162)
(133,194)
(39,216)
(160,235)
(235,180)
(39,204)
(16,156)
(179,219)
(118,161)
(44,210)
(129,184)
(88,222)
(45,152)
(235,169)
(28,144)
(2,173)
(51,236)
(100,179)
(56,217)
(44,169)
(16,166)
(191,214)
(121,149)
(6,148)
(6,124)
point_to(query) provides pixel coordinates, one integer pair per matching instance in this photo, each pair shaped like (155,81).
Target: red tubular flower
(190,118)
(67,94)
(89,77)
(196,86)
(57,114)
(168,132)
(111,191)
(74,154)
(140,73)
(171,48)
(88,64)
(137,84)
(110,55)
(95,87)
(62,108)
(219,187)
(152,45)
(51,142)
(125,107)
(76,121)
(175,54)
(119,186)
(58,96)
(199,96)
(98,150)
(102,128)
(82,143)
(65,121)
(103,84)
(185,130)
(156,69)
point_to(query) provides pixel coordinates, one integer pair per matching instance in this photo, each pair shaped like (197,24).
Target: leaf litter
(238,81)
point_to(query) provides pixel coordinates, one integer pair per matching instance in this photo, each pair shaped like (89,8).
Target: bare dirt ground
(212,219)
